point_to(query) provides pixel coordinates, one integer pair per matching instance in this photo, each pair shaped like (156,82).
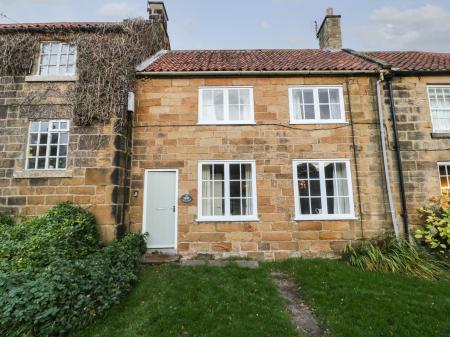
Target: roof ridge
(369,58)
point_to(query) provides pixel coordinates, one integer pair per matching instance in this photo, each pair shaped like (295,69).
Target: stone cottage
(259,153)
(64,120)
(279,153)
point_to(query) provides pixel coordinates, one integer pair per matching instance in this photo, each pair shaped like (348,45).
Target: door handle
(173,208)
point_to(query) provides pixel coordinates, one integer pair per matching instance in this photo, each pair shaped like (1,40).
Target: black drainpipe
(399,159)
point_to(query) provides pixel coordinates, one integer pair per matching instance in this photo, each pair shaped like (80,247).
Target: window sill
(322,218)
(227,123)
(253,219)
(51,78)
(317,122)
(29,174)
(438,135)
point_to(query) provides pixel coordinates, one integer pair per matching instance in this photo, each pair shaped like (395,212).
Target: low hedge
(69,289)
(66,231)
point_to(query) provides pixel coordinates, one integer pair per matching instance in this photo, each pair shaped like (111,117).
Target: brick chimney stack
(329,33)
(157,12)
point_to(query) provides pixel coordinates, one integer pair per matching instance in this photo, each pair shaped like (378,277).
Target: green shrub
(435,233)
(66,231)
(56,277)
(6,220)
(396,256)
(67,294)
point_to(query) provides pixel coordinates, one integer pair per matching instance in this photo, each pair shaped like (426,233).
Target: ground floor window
(48,143)
(227,190)
(322,189)
(444,175)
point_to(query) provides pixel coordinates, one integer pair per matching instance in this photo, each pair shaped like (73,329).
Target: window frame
(48,145)
(227,217)
(317,119)
(433,126)
(298,216)
(202,121)
(443,163)
(38,70)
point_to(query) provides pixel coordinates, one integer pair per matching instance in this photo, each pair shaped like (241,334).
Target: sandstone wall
(166,135)
(95,177)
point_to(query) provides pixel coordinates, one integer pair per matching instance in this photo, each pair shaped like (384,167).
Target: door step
(158,259)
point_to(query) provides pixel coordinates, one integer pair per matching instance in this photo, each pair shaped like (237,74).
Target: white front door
(160,208)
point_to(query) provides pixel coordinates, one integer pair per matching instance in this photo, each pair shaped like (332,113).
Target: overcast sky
(243,24)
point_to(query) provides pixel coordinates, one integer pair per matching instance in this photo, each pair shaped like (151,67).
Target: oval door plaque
(186,198)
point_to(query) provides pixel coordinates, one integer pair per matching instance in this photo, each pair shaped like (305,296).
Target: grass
(352,302)
(232,302)
(198,302)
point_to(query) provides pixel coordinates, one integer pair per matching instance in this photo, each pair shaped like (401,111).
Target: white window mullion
(323,191)
(227,189)
(316,104)
(226,106)
(47,151)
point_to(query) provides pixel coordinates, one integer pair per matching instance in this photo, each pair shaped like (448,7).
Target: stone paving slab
(221,263)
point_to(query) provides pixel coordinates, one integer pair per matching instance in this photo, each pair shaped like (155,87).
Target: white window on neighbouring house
(48,143)
(444,175)
(227,191)
(316,104)
(439,97)
(322,189)
(57,58)
(230,105)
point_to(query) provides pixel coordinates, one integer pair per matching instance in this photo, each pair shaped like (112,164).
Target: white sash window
(439,97)
(227,191)
(310,104)
(322,189)
(48,145)
(230,105)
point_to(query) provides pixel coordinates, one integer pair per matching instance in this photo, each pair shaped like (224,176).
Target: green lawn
(173,301)
(351,302)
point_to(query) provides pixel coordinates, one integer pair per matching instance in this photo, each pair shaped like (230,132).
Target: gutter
(385,160)
(399,159)
(256,73)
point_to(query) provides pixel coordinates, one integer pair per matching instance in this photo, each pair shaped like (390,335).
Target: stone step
(158,259)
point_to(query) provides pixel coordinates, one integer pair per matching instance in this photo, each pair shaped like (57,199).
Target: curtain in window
(342,206)
(207,190)
(213,105)
(247,206)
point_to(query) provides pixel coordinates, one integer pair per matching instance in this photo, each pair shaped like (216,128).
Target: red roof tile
(258,60)
(56,25)
(414,60)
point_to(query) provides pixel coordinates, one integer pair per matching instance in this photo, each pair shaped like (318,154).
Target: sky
(253,24)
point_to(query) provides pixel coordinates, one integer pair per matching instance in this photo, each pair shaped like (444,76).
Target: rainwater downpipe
(385,160)
(399,160)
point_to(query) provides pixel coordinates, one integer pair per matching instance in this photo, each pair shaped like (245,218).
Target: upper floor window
(230,105)
(439,97)
(444,175)
(57,58)
(48,143)
(322,189)
(316,104)
(227,191)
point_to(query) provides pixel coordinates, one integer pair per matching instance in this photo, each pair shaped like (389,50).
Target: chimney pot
(330,11)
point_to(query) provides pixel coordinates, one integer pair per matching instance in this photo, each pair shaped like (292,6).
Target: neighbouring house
(279,153)
(260,153)
(64,122)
